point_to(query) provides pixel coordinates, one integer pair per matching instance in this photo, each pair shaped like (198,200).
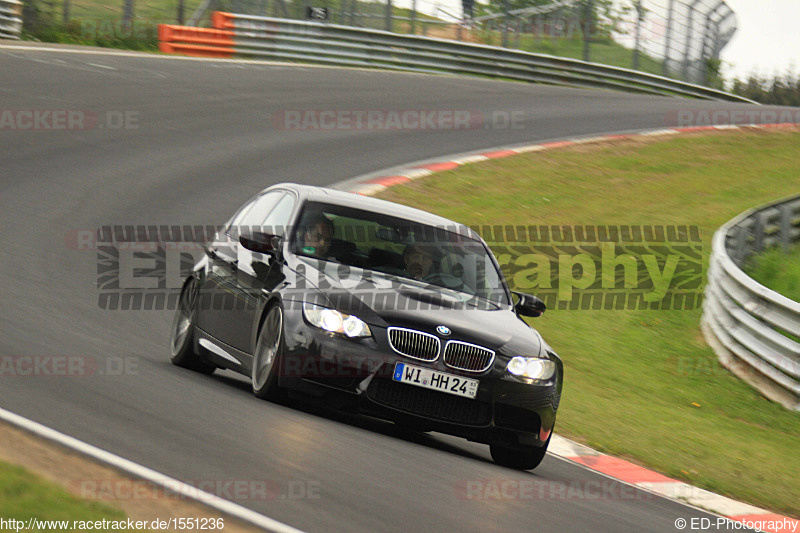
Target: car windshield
(442,258)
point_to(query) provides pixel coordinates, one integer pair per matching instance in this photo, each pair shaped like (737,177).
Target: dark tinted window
(397,247)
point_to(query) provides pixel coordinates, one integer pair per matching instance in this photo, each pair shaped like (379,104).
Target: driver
(418,260)
(317,236)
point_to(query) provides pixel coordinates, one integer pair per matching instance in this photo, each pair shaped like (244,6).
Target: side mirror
(263,243)
(529,305)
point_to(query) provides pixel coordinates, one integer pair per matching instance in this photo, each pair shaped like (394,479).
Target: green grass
(606,52)
(153,11)
(98,22)
(778,270)
(24,495)
(143,36)
(644,384)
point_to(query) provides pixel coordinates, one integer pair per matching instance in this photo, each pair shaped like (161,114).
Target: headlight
(531,367)
(334,321)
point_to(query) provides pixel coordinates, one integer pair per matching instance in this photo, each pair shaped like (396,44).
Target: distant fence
(754,331)
(10,19)
(282,39)
(681,39)
(687,36)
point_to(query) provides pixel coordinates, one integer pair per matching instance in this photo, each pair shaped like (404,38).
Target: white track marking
(101,66)
(210,500)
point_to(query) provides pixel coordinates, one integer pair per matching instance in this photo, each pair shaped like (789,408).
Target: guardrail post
(758,233)
(587,30)
(786,226)
(127,12)
(504,22)
(388,15)
(740,244)
(639,16)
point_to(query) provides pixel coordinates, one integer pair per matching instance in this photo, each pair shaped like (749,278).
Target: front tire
(181,340)
(267,357)
(521,458)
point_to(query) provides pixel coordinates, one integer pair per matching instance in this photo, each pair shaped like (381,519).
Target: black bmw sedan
(399,313)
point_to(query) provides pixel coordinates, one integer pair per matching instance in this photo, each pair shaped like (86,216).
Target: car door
(261,273)
(223,304)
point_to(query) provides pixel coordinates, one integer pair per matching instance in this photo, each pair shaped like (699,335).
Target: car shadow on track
(320,407)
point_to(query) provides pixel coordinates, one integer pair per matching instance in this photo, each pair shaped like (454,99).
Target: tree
(780,90)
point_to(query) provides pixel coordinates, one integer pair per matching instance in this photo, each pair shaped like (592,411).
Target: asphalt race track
(199,142)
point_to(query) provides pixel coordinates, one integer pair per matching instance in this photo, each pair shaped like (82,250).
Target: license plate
(431,379)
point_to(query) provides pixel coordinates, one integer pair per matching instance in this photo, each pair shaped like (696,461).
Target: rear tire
(521,458)
(181,340)
(267,357)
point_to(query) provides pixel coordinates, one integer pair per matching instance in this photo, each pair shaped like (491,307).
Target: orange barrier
(222,20)
(200,42)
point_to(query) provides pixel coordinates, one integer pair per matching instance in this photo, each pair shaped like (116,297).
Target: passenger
(419,260)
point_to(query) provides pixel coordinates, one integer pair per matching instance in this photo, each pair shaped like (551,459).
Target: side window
(258,210)
(278,219)
(274,222)
(251,214)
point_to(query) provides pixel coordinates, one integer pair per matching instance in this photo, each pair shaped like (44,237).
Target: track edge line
(207,499)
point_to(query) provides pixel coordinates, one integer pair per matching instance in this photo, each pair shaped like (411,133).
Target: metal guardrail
(682,39)
(753,330)
(10,19)
(293,40)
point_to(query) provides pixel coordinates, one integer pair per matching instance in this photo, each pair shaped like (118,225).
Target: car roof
(367,203)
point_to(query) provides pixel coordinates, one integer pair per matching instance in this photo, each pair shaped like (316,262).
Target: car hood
(384,300)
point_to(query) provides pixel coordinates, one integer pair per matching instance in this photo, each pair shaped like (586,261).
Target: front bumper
(504,410)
